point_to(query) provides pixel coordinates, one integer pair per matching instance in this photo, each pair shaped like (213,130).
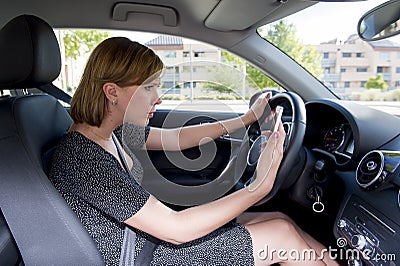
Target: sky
(319,23)
(329,20)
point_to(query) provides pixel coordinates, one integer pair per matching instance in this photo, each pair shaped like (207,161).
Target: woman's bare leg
(254,218)
(278,241)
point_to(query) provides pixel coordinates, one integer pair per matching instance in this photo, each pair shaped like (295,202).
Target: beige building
(348,65)
(188,64)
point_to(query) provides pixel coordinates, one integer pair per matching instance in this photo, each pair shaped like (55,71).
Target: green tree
(283,35)
(376,83)
(230,79)
(79,42)
(225,78)
(255,75)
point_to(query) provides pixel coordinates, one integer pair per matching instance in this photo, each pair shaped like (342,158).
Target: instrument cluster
(339,141)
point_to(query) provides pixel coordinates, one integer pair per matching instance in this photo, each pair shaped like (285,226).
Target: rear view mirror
(380,22)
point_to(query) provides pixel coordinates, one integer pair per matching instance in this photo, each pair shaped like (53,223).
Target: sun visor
(231,15)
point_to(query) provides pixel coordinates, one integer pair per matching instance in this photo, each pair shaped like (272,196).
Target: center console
(367,236)
(368,226)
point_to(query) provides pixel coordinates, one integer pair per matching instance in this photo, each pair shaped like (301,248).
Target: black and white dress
(103,196)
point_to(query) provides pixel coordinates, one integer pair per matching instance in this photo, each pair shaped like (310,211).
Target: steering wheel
(295,130)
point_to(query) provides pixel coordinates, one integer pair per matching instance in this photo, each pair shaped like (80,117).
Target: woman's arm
(179,227)
(190,136)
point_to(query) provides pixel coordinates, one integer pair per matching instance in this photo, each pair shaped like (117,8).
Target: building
(187,64)
(349,65)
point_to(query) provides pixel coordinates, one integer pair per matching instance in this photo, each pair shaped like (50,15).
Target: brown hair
(117,60)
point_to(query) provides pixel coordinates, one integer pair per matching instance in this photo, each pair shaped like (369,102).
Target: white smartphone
(277,118)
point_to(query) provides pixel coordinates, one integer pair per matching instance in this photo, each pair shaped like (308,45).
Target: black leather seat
(46,231)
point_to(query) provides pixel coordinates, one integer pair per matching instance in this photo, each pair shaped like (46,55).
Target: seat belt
(56,92)
(146,253)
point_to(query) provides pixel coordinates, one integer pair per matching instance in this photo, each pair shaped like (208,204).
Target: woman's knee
(285,227)
(281,215)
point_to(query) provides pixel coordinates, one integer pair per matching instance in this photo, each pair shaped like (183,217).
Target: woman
(89,172)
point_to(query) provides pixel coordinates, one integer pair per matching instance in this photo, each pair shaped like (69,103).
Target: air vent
(370,170)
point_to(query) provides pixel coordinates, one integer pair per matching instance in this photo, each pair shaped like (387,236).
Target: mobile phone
(277,118)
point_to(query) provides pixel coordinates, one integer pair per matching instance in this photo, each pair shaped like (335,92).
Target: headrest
(29,53)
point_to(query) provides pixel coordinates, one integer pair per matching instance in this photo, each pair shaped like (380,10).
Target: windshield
(324,41)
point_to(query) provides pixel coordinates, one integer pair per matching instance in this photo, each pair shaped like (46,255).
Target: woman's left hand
(258,107)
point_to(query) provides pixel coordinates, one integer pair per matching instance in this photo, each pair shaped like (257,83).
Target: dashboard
(354,157)
(329,133)
(345,131)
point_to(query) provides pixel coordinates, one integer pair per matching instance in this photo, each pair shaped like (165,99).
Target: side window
(197,76)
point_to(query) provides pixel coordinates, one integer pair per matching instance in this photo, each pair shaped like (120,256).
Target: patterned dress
(103,195)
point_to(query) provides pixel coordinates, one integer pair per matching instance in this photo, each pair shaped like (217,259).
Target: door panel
(197,165)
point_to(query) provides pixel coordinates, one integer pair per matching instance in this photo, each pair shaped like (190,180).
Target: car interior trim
(121,11)
(377,219)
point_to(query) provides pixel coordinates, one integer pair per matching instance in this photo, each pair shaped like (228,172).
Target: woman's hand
(269,161)
(258,107)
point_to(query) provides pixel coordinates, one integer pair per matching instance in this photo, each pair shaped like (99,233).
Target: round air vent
(370,170)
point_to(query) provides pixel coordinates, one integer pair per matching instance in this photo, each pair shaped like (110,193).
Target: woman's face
(141,102)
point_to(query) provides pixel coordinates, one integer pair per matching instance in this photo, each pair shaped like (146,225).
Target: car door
(200,164)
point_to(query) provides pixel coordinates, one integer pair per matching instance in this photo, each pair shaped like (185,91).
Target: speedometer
(334,138)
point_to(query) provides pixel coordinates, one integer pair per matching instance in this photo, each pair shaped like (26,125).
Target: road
(241,106)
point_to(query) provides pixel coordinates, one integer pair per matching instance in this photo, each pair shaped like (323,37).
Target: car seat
(38,225)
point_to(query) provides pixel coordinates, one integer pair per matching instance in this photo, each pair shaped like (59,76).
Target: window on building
(361,69)
(326,55)
(359,55)
(384,55)
(186,54)
(379,70)
(169,54)
(327,70)
(363,84)
(342,70)
(397,83)
(397,69)
(347,84)
(346,55)
(199,54)
(171,88)
(187,84)
(172,69)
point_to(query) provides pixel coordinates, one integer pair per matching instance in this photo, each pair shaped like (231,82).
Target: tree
(78,42)
(376,83)
(230,78)
(283,35)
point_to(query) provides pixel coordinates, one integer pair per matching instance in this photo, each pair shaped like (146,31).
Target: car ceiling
(228,17)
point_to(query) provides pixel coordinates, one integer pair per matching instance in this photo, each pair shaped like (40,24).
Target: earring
(114,102)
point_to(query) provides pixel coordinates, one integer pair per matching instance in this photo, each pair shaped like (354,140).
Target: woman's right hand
(269,161)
